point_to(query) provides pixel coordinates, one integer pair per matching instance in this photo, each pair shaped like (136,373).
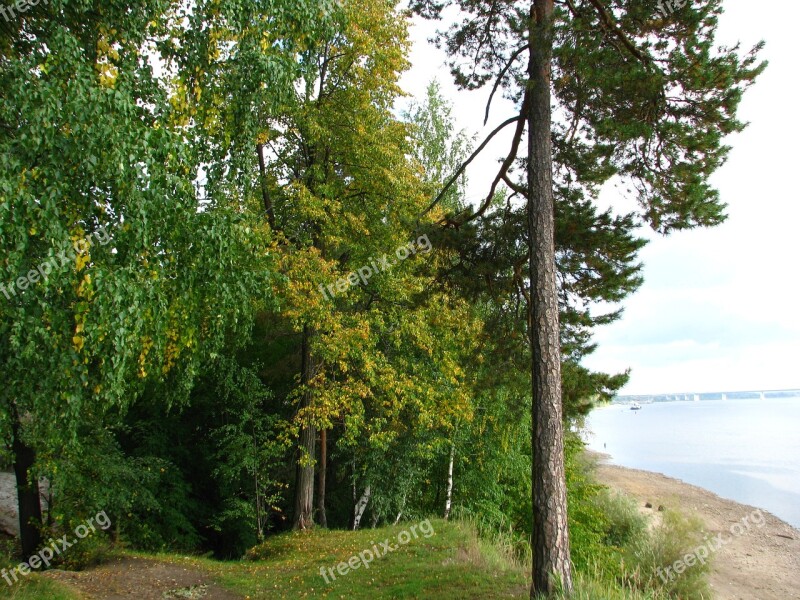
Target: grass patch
(593,586)
(453,563)
(32,587)
(36,587)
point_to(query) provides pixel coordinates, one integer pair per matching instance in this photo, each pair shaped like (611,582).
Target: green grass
(35,588)
(453,563)
(591,587)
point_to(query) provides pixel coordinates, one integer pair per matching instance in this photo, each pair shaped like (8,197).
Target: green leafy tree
(121,267)
(438,148)
(246,445)
(345,195)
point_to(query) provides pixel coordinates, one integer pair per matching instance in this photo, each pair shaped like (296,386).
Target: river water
(744,450)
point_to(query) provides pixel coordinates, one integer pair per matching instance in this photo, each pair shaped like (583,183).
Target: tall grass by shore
(617,551)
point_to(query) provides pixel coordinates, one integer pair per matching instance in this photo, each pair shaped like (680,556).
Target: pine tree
(639,94)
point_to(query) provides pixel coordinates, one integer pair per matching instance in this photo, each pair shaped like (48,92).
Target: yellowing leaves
(107,71)
(147,345)
(77,342)
(81,260)
(85,289)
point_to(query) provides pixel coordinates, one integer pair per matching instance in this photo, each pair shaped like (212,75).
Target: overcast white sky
(718,310)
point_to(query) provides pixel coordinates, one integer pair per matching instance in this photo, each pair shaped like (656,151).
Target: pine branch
(609,24)
(500,78)
(472,157)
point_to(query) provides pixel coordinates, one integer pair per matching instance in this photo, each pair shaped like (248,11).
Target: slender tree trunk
(323,468)
(551,560)
(449,495)
(30,508)
(259,519)
(402,508)
(262,168)
(49,521)
(304,492)
(360,507)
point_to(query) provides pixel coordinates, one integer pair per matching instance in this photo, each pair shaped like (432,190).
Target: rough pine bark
(551,561)
(304,490)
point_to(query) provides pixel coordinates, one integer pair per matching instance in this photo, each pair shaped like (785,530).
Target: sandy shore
(761,563)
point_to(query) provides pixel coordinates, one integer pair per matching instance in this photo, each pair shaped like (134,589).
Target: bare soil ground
(763,563)
(142,579)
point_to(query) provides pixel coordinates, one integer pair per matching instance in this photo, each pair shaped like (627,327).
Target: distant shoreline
(763,564)
(709,396)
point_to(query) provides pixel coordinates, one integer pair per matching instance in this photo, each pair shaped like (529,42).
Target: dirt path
(761,563)
(143,579)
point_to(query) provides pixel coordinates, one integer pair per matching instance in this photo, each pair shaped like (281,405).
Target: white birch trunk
(449,497)
(361,506)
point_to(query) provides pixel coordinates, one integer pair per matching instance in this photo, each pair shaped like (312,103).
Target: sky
(719,307)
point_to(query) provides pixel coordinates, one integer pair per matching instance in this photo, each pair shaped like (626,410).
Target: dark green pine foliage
(646,97)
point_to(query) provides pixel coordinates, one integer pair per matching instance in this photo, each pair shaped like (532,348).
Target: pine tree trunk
(449,495)
(551,560)
(304,490)
(30,508)
(323,467)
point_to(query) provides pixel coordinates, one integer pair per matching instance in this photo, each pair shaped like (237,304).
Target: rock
(9,509)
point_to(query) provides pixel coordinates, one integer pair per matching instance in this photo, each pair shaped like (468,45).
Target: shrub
(673,539)
(625,524)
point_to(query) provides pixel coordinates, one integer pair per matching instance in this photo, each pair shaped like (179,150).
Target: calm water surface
(745,450)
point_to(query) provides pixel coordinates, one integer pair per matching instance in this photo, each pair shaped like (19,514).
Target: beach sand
(763,563)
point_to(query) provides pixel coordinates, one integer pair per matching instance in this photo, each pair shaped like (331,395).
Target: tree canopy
(242,291)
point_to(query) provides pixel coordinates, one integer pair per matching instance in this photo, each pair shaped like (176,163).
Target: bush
(88,552)
(595,520)
(671,541)
(625,526)
(145,497)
